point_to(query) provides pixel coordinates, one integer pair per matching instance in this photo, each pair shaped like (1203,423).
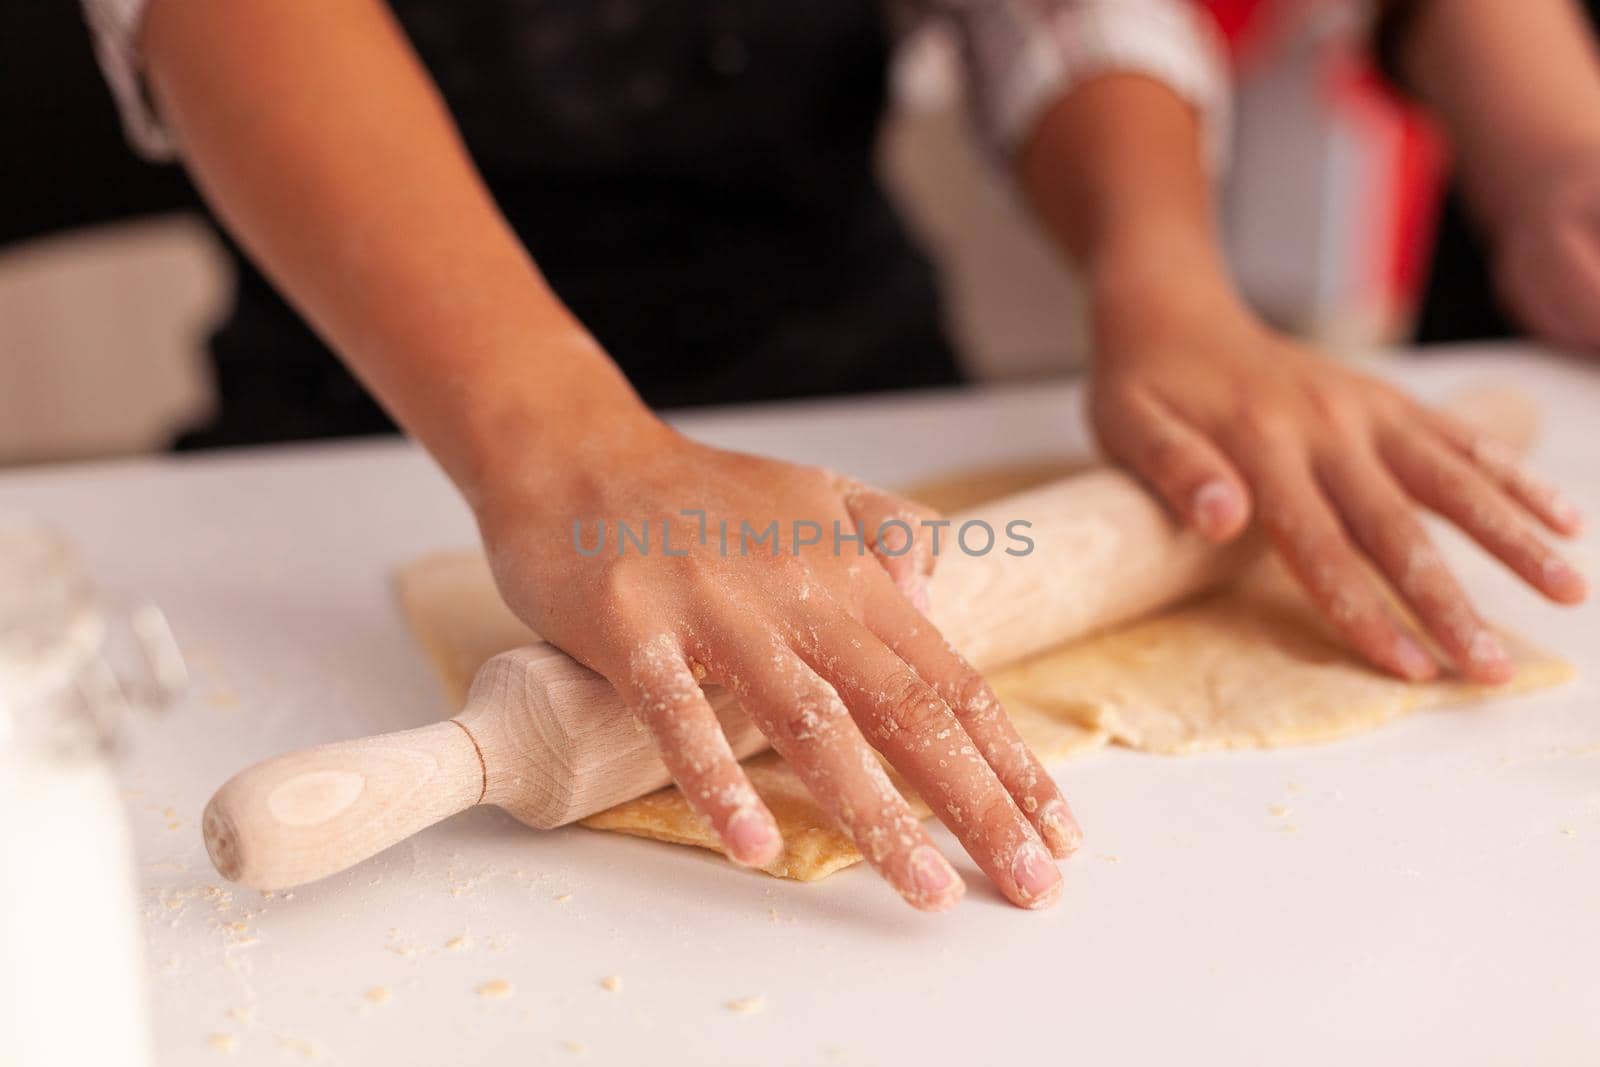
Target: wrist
(547,425)
(1157,273)
(1506,194)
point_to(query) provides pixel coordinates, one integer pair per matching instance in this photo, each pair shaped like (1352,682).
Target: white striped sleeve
(114,25)
(1022,55)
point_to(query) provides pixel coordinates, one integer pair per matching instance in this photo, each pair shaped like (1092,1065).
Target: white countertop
(1439,903)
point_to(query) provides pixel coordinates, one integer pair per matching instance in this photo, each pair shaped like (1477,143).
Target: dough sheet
(1249,666)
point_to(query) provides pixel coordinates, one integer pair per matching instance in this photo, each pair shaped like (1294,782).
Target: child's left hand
(1225,418)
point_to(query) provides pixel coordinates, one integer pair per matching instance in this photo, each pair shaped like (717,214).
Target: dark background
(67,164)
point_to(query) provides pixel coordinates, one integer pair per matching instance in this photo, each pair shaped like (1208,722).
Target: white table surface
(1439,903)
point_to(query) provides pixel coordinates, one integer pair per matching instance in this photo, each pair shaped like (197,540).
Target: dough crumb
(219,898)
(563,898)
(226,1043)
(1293,787)
(1278,811)
(498,989)
(753,1005)
(611,983)
(399,945)
(460,941)
(300,1045)
(577,1048)
(1112,859)
(242,1014)
(379,994)
(1289,828)
(1569,831)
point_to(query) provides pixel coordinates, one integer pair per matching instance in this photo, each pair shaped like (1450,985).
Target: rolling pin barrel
(560,745)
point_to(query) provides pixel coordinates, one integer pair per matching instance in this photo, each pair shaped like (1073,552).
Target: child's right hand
(824,649)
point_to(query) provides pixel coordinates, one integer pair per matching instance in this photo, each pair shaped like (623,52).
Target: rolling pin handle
(302,816)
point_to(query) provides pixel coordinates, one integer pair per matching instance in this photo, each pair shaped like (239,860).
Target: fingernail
(1215,507)
(1486,651)
(1038,880)
(1414,660)
(1561,579)
(1566,513)
(1061,831)
(935,879)
(750,836)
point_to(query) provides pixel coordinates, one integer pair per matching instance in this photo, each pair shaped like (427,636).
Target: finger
(1539,309)
(1446,483)
(1557,308)
(1312,542)
(1552,280)
(981,715)
(893,529)
(1385,524)
(1191,474)
(1501,465)
(662,691)
(807,723)
(1575,281)
(905,719)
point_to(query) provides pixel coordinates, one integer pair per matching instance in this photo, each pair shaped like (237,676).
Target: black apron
(693,177)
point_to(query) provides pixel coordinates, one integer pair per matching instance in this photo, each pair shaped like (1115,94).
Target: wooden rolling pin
(548,740)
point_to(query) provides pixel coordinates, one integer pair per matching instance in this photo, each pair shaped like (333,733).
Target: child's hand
(1225,418)
(822,647)
(1547,253)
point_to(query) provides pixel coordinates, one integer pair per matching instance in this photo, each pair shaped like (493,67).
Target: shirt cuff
(114,25)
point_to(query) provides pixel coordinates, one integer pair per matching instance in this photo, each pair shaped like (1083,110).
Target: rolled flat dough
(1249,666)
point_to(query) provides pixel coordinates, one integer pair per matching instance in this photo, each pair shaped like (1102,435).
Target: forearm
(1228,420)
(1115,172)
(319,140)
(1517,85)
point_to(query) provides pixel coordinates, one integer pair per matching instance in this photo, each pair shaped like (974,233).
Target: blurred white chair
(102,335)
